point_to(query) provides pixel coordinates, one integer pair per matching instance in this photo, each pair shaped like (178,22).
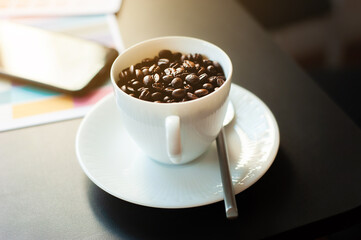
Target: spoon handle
(228,191)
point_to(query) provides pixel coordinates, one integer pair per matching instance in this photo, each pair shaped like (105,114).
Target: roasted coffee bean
(145,71)
(155,69)
(179,70)
(168,90)
(201,92)
(182,75)
(188,87)
(126,75)
(156,96)
(208,86)
(158,86)
(177,82)
(217,66)
(167,78)
(211,69)
(192,79)
(171,77)
(139,74)
(203,77)
(156,77)
(163,63)
(201,70)
(169,71)
(177,55)
(132,70)
(148,80)
(174,64)
(166,98)
(130,89)
(141,89)
(144,95)
(220,81)
(124,88)
(165,54)
(213,80)
(187,64)
(198,57)
(147,62)
(179,93)
(136,84)
(191,96)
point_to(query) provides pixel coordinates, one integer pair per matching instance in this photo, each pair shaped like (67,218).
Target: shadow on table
(125,219)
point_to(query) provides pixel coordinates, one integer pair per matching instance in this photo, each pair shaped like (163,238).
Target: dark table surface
(312,186)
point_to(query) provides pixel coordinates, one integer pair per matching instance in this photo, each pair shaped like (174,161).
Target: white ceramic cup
(179,132)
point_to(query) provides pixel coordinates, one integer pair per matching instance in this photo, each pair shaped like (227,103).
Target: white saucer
(114,163)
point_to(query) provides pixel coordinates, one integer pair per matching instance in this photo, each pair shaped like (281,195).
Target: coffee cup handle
(173,138)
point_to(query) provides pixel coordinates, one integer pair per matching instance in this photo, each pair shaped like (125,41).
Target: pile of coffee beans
(171,77)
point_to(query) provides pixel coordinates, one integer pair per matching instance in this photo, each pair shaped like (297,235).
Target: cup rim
(228,78)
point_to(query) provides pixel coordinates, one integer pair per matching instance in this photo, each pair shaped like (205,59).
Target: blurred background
(323,37)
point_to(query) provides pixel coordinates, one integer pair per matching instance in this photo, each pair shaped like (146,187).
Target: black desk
(312,185)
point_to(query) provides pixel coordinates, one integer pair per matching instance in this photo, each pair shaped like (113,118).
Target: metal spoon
(228,191)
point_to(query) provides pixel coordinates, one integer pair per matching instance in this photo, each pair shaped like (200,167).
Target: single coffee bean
(132,70)
(179,93)
(167,78)
(177,82)
(208,86)
(144,95)
(201,71)
(191,96)
(169,71)
(124,88)
(155,69)
(136,84)
(203,77)
(145,71)
(165,54)
(182,75)
(158,86)
(148,80)
(130,89)
(179,70)
(156,96)
(126,75)
(211,69)
(187,64)
(213,80)
(192,79)
(217,66)
(139,74)
(163,63)
(201,92)
(198,57)
(188,87)
(177,56)
(147,62)
(166,98)
(168,90)
(220,81)
(156,77)
(174,64)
